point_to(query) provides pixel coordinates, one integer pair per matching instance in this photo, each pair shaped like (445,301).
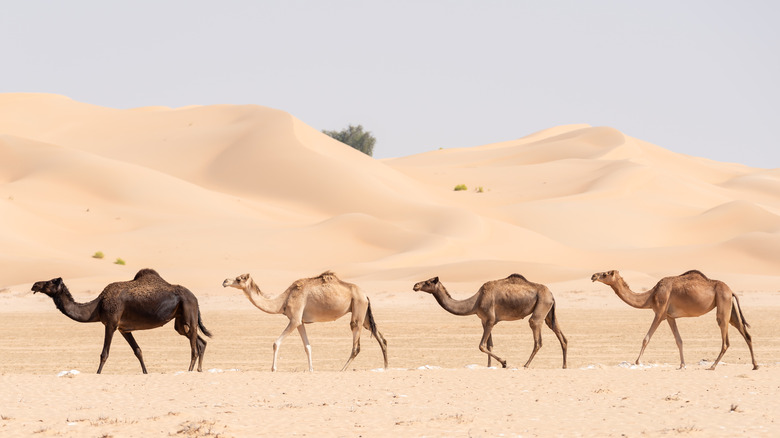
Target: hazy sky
(696,77)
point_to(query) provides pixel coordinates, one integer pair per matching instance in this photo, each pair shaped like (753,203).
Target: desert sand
(203,193)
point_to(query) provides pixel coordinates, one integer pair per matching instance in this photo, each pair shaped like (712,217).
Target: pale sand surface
(452,395)
(202,193)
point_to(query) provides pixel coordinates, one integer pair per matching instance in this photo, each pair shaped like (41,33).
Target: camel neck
(261,301)
(456,307)
(81,312)
(633,299)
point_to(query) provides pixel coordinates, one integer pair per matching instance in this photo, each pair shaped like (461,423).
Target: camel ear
(57,281)
(435,280)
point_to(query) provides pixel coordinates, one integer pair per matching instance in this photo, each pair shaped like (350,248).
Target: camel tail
(371,322)
(203,327)
(553,320)
(739,309)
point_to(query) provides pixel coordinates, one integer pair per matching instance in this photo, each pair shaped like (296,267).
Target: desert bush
(119,261)
(355,136)
(461,187)
(98,255)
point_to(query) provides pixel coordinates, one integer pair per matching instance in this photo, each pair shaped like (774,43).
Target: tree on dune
(356,137)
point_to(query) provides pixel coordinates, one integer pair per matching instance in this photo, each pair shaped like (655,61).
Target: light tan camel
(318,299)
(689,294)
(508,299)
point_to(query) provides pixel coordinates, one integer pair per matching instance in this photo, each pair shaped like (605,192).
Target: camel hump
(517,277)
(146,272)
(695,272)
(328,276)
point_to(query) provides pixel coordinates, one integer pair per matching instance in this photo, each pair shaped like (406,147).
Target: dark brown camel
(508,299)
(145,302)
(689,294)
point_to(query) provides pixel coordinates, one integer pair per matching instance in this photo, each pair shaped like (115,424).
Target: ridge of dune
(616,198)
(252,184)
(733,219)
(246,149)
(202,190)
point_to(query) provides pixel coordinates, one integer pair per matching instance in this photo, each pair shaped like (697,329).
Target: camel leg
(736,321)
(356,328)
(379,338)
(656,322)
(201,352)
(106,346)
(487,328)
(187,327)
(306,345)
(290,327)
(490,348)
(195,351)
(536,329)
(136,349)
(723,323)
(678,339)
(193,336)
(553,324)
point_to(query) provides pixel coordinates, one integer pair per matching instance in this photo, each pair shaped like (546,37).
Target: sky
(694,77)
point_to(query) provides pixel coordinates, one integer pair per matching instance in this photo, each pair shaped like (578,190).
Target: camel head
(428,285)
(50,288)
(240,282)
(609,277)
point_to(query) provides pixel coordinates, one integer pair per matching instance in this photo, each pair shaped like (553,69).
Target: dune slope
(209,191)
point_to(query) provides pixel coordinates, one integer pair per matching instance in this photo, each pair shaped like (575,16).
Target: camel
(145,302)
(318,299)
(689,294)
(508,299)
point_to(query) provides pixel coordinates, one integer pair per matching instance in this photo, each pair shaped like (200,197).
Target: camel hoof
(755,367)
(503,364)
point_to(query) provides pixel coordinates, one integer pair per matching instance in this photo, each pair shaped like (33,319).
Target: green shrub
(119,261)
(98,255)
(480,189)
(461,187)
(356,137)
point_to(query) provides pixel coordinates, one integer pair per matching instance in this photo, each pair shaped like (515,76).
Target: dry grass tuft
(198,429)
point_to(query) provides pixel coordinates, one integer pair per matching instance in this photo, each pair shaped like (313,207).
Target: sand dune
(221,185)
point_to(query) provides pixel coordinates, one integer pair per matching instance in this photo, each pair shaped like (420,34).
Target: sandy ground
(437,383)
